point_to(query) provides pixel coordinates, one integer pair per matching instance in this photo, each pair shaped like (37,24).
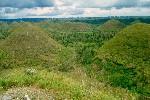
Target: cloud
(38,12)
(131,3)
(126,3)
(90,12)
(73,8)
(144,3)
(26,3)
(89,3)
(47,12)
(108,4)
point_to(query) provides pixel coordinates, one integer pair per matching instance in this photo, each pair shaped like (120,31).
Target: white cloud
(73,8)
(91,12)
(95,3)
(26,3)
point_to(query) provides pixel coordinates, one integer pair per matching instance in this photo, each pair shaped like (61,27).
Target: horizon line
(70,17)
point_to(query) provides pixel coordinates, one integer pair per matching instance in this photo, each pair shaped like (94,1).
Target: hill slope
(4,30)
(75,85)
(29,45)
(66,27)
(111,26)
(128,58)
(130,46)
(29,52)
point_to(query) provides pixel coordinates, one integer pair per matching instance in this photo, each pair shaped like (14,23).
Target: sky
(73,8)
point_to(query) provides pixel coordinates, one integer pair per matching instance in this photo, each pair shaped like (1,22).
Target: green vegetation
(126,60)
(75,60)
(29,45)
(70,33)
(111,26)
(61,85)
(67,33)
(4,30)
(130,46)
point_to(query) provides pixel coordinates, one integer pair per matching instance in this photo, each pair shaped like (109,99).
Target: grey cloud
(79,3)
(27,8)
(131,3)
(65,11)
(75,12)
(103,4)
(52,14)
(11,10)
(55,12)
(126,3)
(145,4)
(7,11)
(26,3)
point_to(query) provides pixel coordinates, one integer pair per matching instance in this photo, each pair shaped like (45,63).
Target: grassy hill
(111,26)
(66,26)
(130,46)
(29,45)
(67,33)
(4,30)
(127,58)
(31,58)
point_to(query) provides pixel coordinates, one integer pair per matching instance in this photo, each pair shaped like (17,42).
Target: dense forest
(76,58)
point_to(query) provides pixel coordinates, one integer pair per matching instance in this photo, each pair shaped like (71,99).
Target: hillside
(111,26)
(130,46)
(66,26)
(74,61)
(67,33)
(127,57)
(26,36)
(29,45)
(42,84)
(4,30)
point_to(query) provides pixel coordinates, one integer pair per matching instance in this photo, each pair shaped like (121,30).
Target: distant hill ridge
(111,26)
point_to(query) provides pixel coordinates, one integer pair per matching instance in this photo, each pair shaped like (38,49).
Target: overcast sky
(73,8)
